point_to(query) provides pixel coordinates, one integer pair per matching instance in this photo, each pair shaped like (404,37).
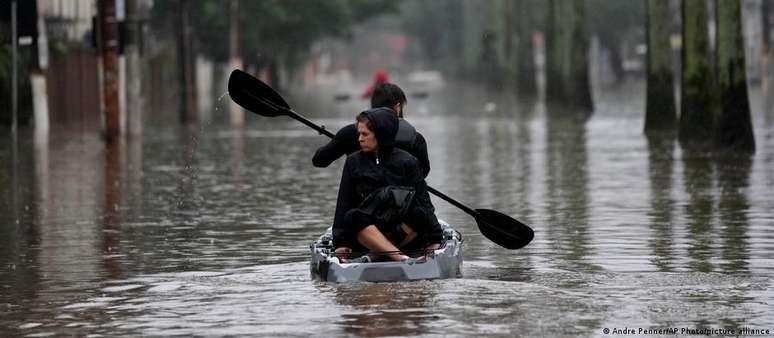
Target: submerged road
(206,232)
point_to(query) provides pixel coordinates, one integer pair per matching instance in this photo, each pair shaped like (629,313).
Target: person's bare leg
(374,240)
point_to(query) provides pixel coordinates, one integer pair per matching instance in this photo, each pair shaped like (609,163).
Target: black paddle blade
(255,96)
(503,229)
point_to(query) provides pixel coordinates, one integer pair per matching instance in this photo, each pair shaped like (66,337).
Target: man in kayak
(345,142)
(383,204)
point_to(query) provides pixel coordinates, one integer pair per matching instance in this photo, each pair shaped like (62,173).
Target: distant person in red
(379,78)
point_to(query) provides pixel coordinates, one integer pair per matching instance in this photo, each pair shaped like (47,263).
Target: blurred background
(120,64)
(635,137)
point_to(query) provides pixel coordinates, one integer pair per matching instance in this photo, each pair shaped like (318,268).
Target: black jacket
(363,174)
(345,142)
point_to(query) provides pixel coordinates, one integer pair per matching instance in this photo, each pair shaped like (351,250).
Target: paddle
(258,97)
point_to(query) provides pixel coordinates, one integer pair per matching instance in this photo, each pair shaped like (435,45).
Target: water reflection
(71,234)
(661,148)
(717,211)
(188,197)
(207,230)
(387,309)
(699,209)
(733,173)
(135,174)
(511,143)
(767,107)
(111,218)
(20,236)
(567,200)
(522,163)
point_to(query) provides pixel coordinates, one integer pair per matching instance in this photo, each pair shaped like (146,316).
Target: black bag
(389,204)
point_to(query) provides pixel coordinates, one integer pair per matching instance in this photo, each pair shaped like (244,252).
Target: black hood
(385,126)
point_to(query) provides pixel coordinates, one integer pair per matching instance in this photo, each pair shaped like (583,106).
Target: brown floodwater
(205,231)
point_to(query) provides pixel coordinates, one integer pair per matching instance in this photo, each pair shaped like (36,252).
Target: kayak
(444,262)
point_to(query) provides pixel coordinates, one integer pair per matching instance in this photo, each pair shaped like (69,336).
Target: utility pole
(109,49)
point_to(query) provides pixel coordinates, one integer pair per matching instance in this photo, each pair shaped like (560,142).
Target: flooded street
(206,231)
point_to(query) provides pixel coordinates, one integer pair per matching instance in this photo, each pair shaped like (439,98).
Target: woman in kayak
(383,204)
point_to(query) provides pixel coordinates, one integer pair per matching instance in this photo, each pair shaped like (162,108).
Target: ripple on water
(211,230)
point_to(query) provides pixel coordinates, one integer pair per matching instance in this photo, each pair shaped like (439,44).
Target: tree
(696,116)
(615,23)
(580,95)
(438,27)
(275,34)
(567,79)
(733,129)
(26,61)
(278,34)
(557,49)
(525,52)
(185,61)
(660,109)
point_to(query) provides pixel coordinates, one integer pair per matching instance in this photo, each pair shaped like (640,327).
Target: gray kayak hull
(443,263)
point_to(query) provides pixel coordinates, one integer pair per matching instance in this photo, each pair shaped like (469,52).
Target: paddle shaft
(443,196)
(310,124)
(293,114)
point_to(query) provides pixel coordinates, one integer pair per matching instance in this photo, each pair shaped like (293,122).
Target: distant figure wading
(379,78)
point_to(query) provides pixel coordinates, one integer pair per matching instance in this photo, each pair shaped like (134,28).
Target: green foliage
(271,30)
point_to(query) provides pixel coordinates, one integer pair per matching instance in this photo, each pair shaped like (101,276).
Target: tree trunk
(567,77)
(509,15)
(580,95)
(556,49)
(696,116)
(108,26)
(660,109)
(526,82)
(134,101)
(734,127)
(187,73)
(235,59)
(766,29)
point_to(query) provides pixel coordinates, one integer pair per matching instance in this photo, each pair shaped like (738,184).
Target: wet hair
(388,95)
